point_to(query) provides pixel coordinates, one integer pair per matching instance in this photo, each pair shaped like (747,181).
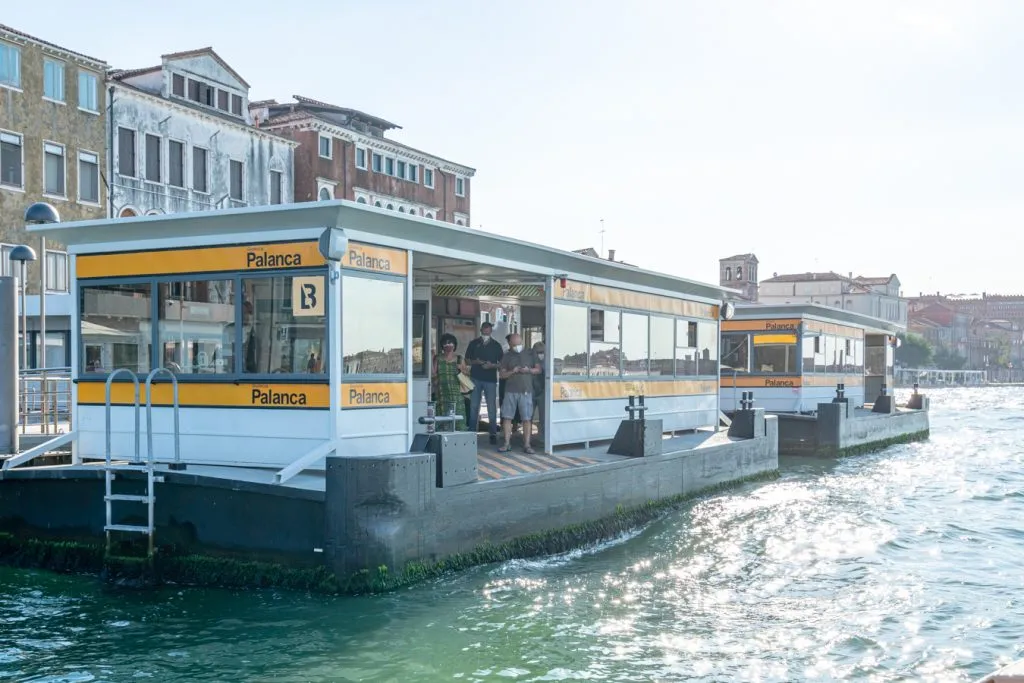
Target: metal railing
(44,405)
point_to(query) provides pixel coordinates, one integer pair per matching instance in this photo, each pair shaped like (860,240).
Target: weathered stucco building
(344,155)
(182,140)
(52,143)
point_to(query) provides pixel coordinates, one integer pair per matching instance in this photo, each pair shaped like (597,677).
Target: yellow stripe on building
(780,325)
(212,395)
(238,258)
(641,301)
(609,389)
(374,395)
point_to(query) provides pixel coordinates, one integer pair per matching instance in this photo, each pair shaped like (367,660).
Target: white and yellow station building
(283,356)
(794,356)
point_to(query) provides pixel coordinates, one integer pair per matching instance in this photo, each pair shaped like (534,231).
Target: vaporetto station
(258,381)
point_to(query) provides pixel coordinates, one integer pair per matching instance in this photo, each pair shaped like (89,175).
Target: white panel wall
(596,420)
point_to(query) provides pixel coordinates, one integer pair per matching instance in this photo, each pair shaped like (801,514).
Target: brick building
(343,154)
(52,143)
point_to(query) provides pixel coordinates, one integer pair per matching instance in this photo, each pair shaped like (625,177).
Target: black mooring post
(643,409)
(840,390)
(884,393)
(915,388)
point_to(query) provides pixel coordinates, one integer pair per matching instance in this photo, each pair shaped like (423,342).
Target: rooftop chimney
(611,254)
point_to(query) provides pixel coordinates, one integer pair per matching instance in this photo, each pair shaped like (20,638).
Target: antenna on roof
(601,231)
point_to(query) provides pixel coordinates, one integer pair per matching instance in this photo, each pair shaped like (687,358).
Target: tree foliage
(946,359)
(915,351)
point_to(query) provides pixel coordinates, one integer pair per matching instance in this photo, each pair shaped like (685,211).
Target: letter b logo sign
(307,296)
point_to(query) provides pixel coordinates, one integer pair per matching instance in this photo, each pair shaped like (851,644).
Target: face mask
(519,348)
(485,337)
(540,355)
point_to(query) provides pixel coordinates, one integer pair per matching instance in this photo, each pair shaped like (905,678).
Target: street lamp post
(42,213)
(21,254)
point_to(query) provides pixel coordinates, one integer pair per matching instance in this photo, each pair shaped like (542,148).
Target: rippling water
(902,565)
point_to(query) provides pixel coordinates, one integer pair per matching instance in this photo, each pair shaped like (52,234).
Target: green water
(902,565)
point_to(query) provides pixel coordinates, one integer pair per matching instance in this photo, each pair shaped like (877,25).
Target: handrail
(135,380)
(149,413)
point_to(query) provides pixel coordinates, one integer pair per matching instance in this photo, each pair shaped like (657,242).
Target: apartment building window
(428,177)
(12,161)
(413,175)
(175,163)
(378,162)
(126,152)
(360,158)
(88,91)
(222,100)
(88,178)
(237,188)
(199,170)
(325,147)
(275,187)
(236,105)
(53,80)
(460,191)
(178,85)
(54,170)
(10,65)
(389,166)
(401,170)
(152,158)
(56,271)
(202,93)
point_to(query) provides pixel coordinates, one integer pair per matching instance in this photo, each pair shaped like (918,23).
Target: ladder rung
(126,468)
(127,527)
(129,498)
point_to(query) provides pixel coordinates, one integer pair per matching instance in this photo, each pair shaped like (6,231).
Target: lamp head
(41,213)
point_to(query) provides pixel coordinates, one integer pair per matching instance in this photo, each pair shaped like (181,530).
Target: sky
(871,137)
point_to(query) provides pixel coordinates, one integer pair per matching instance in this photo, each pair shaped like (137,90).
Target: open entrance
(452,300)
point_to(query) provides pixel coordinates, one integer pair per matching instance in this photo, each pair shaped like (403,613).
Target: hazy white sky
(869,136)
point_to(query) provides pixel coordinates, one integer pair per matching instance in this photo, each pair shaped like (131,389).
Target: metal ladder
(137,465)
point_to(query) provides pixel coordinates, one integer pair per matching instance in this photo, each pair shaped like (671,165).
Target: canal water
(902,565)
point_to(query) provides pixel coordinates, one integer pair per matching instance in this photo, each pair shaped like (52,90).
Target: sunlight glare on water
(901,565)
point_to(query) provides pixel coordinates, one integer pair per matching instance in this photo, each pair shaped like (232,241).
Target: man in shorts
(518,366)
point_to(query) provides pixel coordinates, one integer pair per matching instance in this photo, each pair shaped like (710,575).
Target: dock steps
(128,527)
(129,498)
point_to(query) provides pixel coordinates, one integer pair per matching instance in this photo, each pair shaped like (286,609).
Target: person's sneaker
(494,439)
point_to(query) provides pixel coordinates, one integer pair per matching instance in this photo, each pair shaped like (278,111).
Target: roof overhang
(366,223)
(816,312)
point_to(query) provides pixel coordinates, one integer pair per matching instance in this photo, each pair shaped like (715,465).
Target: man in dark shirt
(518,367)
(483,355)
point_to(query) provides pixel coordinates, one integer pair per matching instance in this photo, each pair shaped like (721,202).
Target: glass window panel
(88,89)
(604,326)
(126,152)
(604,359)
(858,350)
(662,346)
(275,339)
(830,352)
(373,326)
(686,348)
(735,353)
(56,351)
(116,322)
(775,359)
(635,338)
(819,353)
(569,339)
(196,326)
(707,348)
(176,163)
(153,158)
(807,345)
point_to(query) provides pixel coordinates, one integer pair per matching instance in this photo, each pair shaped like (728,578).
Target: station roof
(817,312)
(415,233)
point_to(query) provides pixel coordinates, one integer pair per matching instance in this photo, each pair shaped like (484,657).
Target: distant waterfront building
(345,155)
(740,272)
(183,140)
(875,296)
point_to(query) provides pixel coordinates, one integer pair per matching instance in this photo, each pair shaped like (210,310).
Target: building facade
(182,139)
(739,272)
(343,154)
(52,144)
(878,297)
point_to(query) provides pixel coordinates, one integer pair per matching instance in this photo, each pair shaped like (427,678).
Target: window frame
(674,376)
(62,99)
(460,186)
(184,163)
(64,182)
(364,152)
(99,181)
(321,138)
(406,321)
(276,183)
(14,84)
(428,172)
(236,376)
(159,159)
(21,147)
(85,73)
(241,165)
(135,152)
(206,169)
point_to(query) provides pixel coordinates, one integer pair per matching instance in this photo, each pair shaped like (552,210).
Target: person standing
(539,397)
(447,367)
(484,355)
(518,367)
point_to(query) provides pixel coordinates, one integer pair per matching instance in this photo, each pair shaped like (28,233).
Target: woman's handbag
(466,383)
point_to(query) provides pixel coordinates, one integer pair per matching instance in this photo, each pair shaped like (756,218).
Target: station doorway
(456,297)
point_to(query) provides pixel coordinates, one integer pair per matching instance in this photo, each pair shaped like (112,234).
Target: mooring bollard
(916,385)
(840,390)
(747,400)
(633,408)
(430,417)
(884,390)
